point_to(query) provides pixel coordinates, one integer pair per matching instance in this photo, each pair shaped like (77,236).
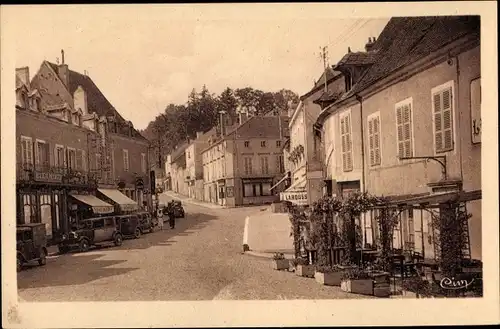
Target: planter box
(380,277)
(363,287)
(381,289)
(329,278)
(281,264)
(305,271)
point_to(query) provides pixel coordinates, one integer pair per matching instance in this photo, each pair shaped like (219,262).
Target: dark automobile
(129,225)
(91,232)
(175,209)
(31,244)
(146,223)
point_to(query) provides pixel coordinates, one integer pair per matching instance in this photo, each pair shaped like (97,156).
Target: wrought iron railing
(27,172)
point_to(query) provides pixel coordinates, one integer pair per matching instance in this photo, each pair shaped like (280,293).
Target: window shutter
(24,151)
(407,130)
(376,129)
(371,142)
(37,154)
(438,135)
(447,120)
(50,155)
(399,123)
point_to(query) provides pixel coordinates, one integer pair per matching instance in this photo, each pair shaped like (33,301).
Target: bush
(328,269)
(355,274)
(299,261)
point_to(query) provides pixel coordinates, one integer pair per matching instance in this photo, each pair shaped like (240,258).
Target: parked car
(146,223)
(31,244)
(91,232)
(175,208)
(129,225)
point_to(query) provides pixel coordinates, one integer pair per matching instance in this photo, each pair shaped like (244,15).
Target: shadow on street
(78,268)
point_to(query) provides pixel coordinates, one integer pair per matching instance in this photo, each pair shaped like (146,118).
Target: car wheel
(43,258)
(118,239)
(137,233)
(63,249)
(84,245)
(19,265)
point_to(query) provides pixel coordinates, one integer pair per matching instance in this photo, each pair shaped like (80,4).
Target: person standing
(159,215)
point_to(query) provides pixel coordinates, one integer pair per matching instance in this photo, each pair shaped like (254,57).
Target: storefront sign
(48,177)
(299,198)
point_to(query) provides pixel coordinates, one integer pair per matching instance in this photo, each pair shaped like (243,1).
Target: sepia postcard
(218,165)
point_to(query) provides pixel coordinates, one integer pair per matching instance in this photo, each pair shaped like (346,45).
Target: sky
(143,57)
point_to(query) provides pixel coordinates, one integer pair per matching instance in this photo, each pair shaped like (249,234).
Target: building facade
(303,152)
(241,166)
(409,129)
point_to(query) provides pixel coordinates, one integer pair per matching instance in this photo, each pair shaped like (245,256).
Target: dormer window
(348,81)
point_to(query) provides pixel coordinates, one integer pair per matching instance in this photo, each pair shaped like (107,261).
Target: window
(59,156)
(265,189)
(189,157)
(345,133)
(26,150)
(247,144)
(125,160)
(79,160)
(475,108)
(248,190)
(98,161)
(280,164)
(442,105)
(143,162)
(263,144)
(404,129)
(248,165)
(72,158)
(278,143)
(256,189)
(84,161)
(264,164)
(374,139)
(42,153)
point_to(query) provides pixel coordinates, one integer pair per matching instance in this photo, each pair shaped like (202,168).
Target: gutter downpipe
(460,150)
(363,189)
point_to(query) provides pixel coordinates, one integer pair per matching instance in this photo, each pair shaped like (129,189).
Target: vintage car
(31,244)
(91,232)
(129,225)
(175,208)
(146,222)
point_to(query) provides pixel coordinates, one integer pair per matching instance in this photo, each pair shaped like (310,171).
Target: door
(100,232)
(46,212)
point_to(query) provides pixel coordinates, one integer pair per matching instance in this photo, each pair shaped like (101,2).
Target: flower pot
(381,289)
(328,278)
(281,264)
(361,286)
(305,271)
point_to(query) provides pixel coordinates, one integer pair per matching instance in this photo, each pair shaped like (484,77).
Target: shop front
(296,193)
(82,206)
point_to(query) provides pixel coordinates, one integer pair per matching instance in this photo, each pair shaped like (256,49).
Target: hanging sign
(299,197)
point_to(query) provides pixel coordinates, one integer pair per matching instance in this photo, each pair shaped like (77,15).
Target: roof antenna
(62,56)
(57,60)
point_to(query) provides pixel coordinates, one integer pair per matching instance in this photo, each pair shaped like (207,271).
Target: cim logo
(452,284)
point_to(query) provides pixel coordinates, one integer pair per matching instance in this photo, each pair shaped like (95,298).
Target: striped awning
(98,206)
(279,182)
(124,202)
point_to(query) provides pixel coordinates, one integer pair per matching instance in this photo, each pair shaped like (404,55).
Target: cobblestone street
(200,259)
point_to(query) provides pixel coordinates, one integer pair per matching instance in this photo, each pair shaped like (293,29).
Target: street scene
(346,168)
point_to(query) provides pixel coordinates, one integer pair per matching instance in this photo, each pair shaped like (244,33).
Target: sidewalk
(185,199)
(266,233)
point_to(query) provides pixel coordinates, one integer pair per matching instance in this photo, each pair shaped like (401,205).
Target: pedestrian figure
(171,215)
(159,215)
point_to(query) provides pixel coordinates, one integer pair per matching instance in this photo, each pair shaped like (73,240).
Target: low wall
(268,232)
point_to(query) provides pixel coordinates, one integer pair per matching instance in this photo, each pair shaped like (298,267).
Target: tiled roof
(406,40)
(330,73)
(19,82)
(358,58)
(96,101)
(329,96)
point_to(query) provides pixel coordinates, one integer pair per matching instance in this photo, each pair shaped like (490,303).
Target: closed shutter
(403,123)
(37,154)
(443,120)
(371,146)
(344,144)
(348,143)
(376,140)
(84,161)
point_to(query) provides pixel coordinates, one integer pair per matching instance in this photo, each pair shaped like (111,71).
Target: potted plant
(357,281)
(329,275)
(279,262)
(303,268)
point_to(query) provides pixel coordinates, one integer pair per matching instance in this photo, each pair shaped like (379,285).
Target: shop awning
(98,206)
(125,203)
(280,181)
(296,193)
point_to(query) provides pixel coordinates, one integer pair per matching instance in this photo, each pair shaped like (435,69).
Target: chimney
(63,71)
(199,134)
(24,74)
(222,123)
(243,116)
(369,45)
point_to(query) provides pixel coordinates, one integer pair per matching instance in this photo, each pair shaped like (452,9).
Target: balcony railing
(27,172)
